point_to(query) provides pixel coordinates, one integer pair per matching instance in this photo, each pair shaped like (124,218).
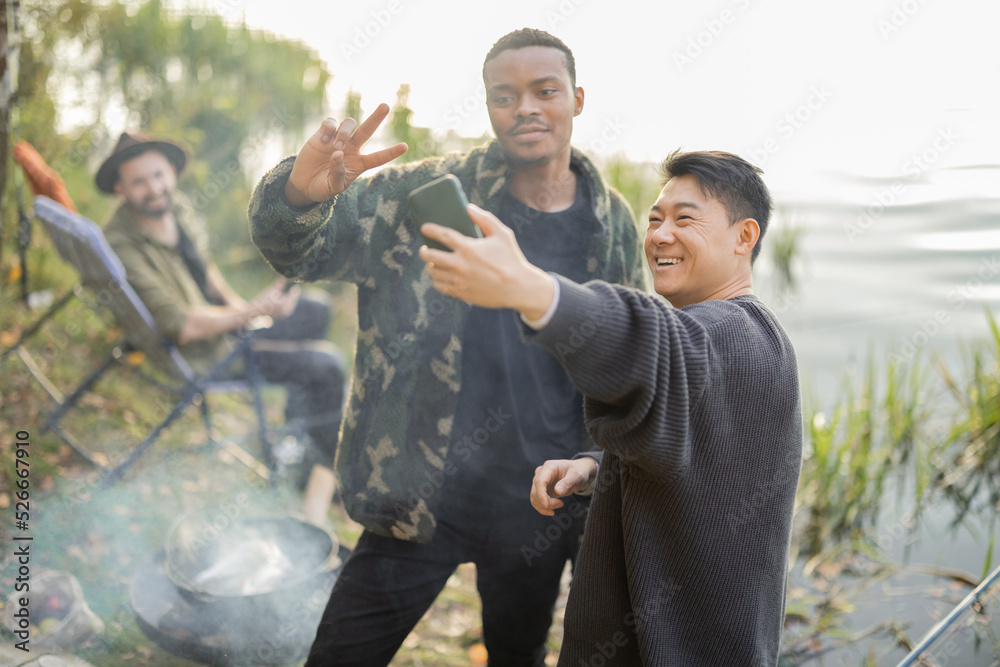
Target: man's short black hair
(519,39)
(729,178)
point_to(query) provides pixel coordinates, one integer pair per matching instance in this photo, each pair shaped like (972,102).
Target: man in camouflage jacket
(398,424)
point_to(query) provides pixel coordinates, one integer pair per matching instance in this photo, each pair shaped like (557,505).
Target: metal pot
(251,593)
(246,558)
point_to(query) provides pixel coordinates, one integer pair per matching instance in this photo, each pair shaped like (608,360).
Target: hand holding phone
(442,201)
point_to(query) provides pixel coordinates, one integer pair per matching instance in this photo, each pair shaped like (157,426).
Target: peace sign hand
(331,159)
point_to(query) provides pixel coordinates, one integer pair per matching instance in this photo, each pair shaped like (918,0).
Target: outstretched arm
(640,365)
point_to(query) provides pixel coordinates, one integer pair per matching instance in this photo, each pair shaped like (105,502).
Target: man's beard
(144,209)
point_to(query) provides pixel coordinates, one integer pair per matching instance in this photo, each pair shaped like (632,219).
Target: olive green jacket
(407,367)
(163,281)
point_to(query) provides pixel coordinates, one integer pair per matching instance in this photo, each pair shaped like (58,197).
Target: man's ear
(119,190)
(748,235)
(578,96)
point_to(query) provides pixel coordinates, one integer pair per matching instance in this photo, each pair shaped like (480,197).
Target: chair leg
(192,390)
(140,449)
(206,419)
(64,406)
(46,316)
(258,403)
(84,387)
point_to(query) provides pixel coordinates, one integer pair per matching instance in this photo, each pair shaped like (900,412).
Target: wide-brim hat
(129,146)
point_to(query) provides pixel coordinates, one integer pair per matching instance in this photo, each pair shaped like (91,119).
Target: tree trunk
(5,89)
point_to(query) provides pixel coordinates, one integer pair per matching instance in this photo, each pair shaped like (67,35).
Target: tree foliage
(91,70)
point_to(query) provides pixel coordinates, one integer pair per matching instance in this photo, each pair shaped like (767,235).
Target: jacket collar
(491,169)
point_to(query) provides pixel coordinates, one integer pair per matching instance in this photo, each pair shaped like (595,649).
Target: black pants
(387,585)
(294,353)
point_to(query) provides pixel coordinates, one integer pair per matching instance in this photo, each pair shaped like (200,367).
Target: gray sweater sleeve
(641,366)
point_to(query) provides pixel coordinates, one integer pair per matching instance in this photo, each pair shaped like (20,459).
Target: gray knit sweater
(697,410)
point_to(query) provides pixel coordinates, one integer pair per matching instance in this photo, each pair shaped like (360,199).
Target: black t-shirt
(517,407)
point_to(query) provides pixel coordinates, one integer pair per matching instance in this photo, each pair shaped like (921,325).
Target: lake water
(917,273)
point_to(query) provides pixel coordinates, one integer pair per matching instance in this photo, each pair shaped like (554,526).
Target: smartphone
(442,201)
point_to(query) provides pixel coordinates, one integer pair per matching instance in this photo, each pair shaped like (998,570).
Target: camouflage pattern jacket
(407,361)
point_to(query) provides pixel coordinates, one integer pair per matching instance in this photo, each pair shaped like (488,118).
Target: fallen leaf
(478,654)
(93,401)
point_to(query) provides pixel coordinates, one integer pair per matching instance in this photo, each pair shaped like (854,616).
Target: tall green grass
(972,477)
(877,432)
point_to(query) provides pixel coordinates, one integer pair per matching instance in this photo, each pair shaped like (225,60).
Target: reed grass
(971,478)
(871,437)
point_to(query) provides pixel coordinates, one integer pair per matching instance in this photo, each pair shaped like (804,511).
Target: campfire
(251,593)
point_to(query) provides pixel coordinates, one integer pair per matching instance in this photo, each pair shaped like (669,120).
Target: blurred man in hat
(165,254)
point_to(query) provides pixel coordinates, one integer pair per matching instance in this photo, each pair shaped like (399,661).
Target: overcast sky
(810,91)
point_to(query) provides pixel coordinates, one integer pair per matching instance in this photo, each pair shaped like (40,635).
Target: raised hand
(331,159)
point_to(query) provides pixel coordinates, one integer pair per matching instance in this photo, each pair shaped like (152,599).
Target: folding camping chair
(82,243)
